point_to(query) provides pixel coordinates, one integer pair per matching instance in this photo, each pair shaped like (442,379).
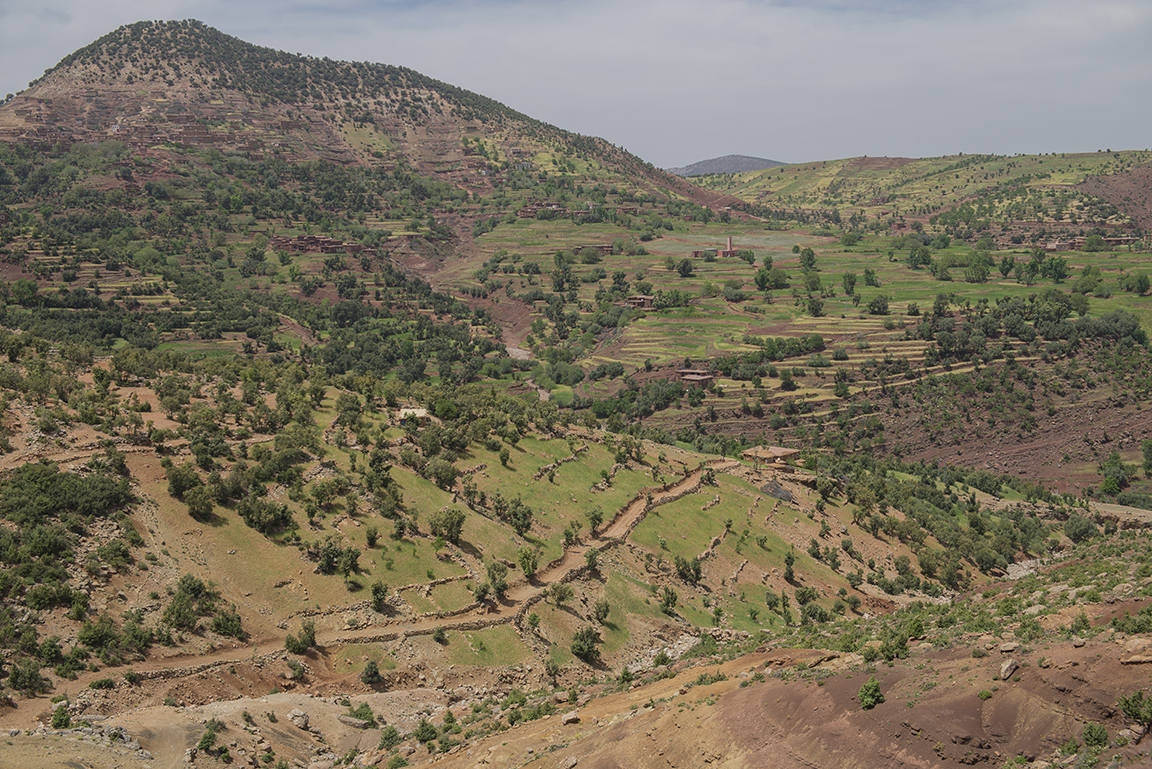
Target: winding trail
(521,595)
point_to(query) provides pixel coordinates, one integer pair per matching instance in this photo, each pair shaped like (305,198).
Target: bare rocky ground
(773,707)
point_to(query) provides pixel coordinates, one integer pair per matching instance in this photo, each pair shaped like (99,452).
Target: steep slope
(183,83)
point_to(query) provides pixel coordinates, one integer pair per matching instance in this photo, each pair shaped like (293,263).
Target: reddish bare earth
(782,707)
(1130,191)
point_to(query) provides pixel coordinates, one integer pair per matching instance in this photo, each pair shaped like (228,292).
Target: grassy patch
(492,646)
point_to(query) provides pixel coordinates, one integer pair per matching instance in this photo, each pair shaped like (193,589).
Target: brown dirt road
(521,595)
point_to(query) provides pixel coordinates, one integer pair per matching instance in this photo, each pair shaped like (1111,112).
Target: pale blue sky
(676,81)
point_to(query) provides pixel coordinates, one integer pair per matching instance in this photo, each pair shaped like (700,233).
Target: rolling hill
(350,417)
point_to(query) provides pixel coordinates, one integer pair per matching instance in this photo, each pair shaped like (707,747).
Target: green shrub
(227,622)
(60,717)
(1078,528)
(1137,707)
(301,643)
(1094,735)
(984,694)
(25,677)
(371,674)
(363,712)
(870,695)
(424,732)
(586,644)
(389,738)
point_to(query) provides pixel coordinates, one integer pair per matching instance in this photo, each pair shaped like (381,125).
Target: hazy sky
(676,81)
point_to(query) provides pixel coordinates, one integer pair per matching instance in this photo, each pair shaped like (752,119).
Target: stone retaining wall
(555,465)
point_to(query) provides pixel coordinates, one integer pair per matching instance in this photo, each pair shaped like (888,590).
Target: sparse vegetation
(240,317)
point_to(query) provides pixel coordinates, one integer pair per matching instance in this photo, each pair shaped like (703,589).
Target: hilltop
(329,387)
(728,164)
(187,84)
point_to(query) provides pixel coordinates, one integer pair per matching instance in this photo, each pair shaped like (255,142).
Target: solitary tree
(447,523)
(849,281)
(371,674)
(528,561)
(596,515)
(561,592)
(586,644)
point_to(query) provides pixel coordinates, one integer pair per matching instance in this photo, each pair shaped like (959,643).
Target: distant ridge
(729,164)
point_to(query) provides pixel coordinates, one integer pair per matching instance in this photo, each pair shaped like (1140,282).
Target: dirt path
(541,393)
(520,596)
(522,592)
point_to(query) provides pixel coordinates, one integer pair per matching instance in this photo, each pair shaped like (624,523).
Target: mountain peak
(182,83)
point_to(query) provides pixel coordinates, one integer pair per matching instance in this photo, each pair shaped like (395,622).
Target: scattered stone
(570,762)
(571,717)
(1009,648)
(1007,669)
(1077,641)
(823,658)
(561,696)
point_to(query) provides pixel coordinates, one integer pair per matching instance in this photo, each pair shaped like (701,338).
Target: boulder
(355,723)
(1136,645)
(571,717)
(1137,659)
(1007,669)
(298,718)
(1009,648)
